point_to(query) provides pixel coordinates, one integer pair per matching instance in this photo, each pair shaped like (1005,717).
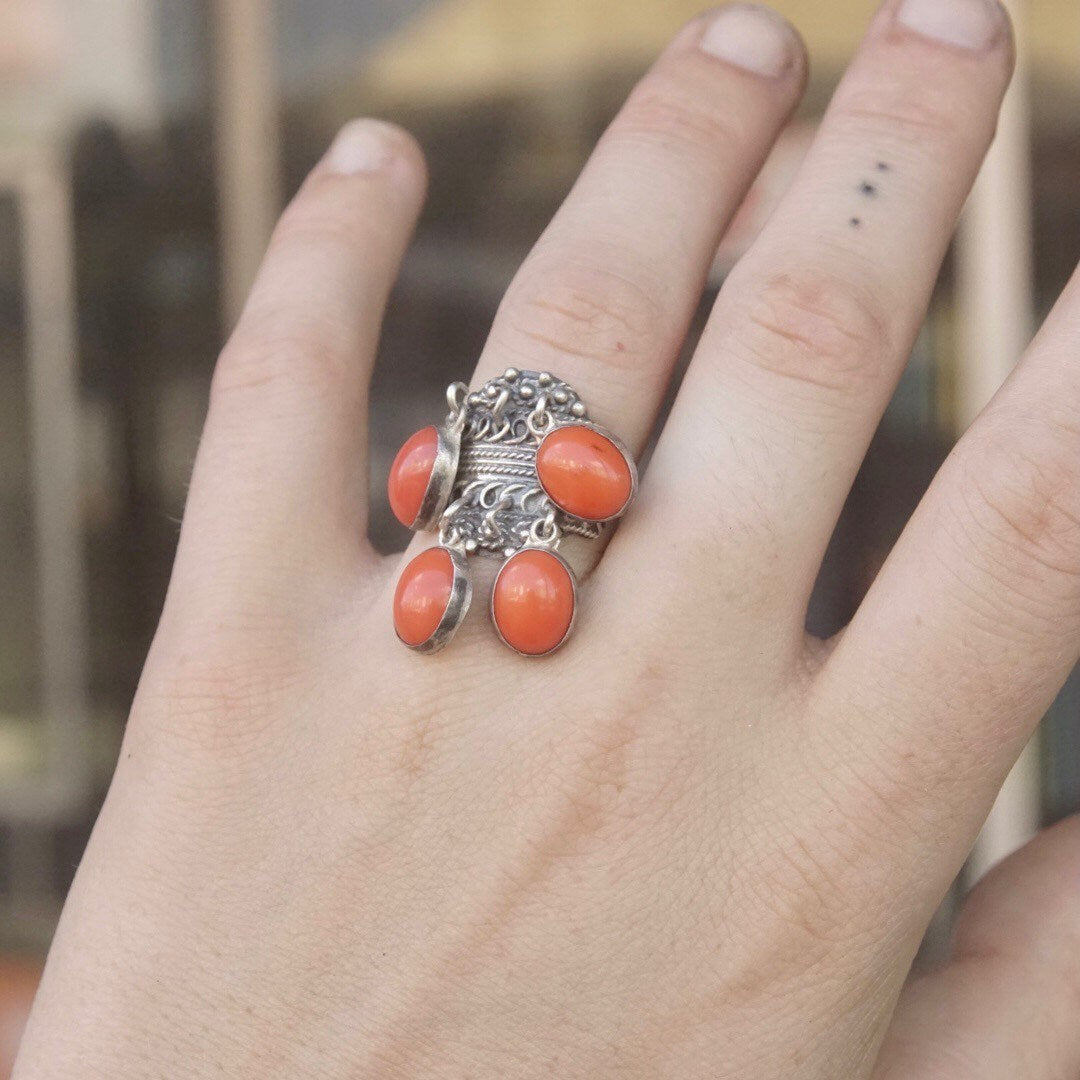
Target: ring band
(516,467)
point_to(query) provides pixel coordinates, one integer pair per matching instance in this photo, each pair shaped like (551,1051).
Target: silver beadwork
(497,497)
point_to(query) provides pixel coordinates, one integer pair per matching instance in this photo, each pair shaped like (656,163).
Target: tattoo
(869,190)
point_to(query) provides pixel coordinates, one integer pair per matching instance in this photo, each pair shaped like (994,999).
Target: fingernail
(361,146)
(752,38)
(966,24)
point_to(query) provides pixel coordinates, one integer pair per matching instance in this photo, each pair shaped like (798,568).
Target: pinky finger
(1007,1005)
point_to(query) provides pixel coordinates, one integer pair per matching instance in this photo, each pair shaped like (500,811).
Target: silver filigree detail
(497,506)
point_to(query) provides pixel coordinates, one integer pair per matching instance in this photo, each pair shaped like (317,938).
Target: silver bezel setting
(441,482)
(618,444)
(574,588)
(457,607)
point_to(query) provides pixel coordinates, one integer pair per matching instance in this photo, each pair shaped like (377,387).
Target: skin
(693,843)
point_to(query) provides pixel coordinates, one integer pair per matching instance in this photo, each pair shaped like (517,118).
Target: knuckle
(613,779)
(819,878)
(333,227)
(814,329)
(800,893)
(1019,490)
(220,703)
(294,360)
(913,119)
(316,225)
(657,111)
(416,745)
(583,312)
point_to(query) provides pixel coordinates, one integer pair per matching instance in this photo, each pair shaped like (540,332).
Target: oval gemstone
(584,472)
(411,473)
(422,596)
(533,602)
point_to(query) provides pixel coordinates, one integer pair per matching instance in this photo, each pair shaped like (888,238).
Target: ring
(516,467)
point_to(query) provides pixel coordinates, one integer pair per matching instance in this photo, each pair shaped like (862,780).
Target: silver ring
(516,467)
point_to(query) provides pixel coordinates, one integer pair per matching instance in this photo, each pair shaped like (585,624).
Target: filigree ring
(516,467)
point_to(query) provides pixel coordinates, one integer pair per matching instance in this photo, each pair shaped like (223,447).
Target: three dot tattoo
(869,190)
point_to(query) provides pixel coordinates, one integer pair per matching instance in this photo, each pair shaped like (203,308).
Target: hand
(693,843)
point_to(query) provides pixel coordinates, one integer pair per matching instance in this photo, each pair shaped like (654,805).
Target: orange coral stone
(422,595)
(411,473)
(584,473)
(533,602)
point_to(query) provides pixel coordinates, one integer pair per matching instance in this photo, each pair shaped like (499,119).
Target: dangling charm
(422,475)
(432,599)
(517,466)
(534,601)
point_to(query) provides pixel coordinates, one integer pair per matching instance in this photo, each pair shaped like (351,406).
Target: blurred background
(146,147)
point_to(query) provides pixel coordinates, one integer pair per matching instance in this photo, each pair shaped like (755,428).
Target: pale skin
(694,843)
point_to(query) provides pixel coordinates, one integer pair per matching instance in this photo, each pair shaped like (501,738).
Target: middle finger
(605,298)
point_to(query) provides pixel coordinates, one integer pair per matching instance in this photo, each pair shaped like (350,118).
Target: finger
(973,624)
(1007,1005)
(605,299)
(281,466)
(812,329)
